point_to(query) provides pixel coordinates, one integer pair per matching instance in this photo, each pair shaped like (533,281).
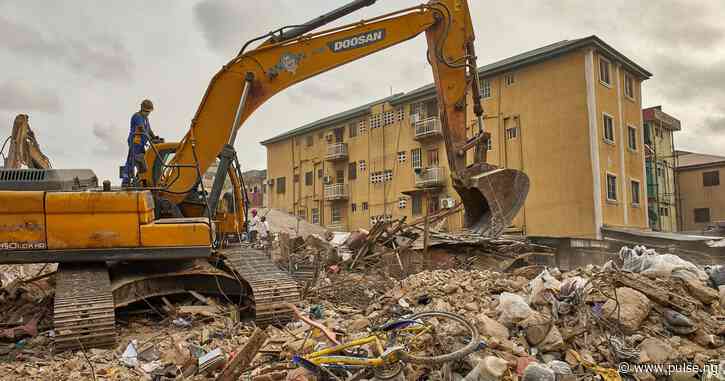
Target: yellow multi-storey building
(567,114)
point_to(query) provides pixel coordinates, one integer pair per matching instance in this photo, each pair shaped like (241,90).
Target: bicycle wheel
(437,337)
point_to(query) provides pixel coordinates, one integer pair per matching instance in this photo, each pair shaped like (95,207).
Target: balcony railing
(431,177)
(430,127)
(336,192)
(336,151)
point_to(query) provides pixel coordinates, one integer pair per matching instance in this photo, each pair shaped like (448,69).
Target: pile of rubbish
(534,321)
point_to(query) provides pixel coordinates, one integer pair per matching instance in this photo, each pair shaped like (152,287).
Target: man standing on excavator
(138,136)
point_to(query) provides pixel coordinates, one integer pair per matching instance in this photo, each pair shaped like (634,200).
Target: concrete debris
(535,322)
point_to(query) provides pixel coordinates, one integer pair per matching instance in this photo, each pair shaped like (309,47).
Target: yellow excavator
(99,235)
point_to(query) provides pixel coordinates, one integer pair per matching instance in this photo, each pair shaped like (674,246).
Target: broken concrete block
(654,351)
(537,326)
(552,342)
(634,307)
(701,291)
(538,372)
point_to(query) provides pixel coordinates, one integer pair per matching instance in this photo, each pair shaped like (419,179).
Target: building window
(402,202)
(308,178)
(302,214)
(660,170)
(401,157)
(309,140)
(280,184)
(376,177)
(417,206)
(512,133)
(388,117)
(632,138)
(315,216)
(353,207)
(434,203)
(336,214)
(352,130)
(319,173)
(415,158)
(340,176)
(388,175)
(702,215)
(432,157)
(485,86)
(604,76)
(296,177)
(509,79)
(664,212)
(611,187)
(628,86)
(423,109)
(362,165)
(365,205)
(608,128)
(658,132)
(376,120)
(635,192)
(488,143)
(352,171)
(710,179)
(361,127)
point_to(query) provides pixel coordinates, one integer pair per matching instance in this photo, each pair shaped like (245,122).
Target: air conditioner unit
(327,180)
(448,202)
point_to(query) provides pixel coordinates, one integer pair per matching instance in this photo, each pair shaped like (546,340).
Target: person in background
(263,229)
(254,226)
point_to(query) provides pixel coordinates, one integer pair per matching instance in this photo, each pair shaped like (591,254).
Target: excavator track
(272,287)
(83,314)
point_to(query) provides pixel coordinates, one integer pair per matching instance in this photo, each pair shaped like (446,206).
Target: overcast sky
(81,68)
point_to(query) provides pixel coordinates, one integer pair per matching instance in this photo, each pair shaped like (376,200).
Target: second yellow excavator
(171,222)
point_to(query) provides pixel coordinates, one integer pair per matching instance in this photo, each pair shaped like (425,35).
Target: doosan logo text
(357,41)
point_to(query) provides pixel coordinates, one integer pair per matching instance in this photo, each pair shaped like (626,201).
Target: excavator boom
(24,149)
(491,198)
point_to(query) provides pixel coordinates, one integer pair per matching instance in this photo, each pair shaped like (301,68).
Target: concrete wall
(694,195)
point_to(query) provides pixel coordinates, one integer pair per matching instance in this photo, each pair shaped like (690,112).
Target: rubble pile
(534,322)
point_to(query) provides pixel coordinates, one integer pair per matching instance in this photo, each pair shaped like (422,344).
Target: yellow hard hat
(147,105)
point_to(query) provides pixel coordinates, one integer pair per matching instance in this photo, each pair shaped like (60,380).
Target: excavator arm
(252,77)
(24,149)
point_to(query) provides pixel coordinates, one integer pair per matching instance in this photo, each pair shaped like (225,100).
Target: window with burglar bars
(352,129)
(280,184)
(485,87)
(415,158)
(308,178)
(336,214)
(315,216)
(417,204)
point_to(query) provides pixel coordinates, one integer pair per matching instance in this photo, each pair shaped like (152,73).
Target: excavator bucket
(492,198)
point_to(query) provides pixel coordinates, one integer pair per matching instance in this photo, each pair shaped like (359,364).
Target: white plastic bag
(512,308)
(542,284)
(648,262)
